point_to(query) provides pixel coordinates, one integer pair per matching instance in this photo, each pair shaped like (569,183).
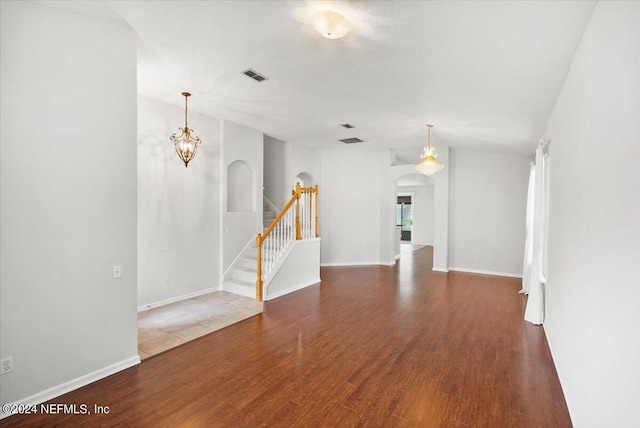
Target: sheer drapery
(534,273)
(528,243)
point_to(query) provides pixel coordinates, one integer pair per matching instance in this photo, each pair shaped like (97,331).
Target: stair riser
(241,276)
(243,290)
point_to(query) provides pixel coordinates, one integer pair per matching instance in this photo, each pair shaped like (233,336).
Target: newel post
(298,226)
(259,269)
(317,210)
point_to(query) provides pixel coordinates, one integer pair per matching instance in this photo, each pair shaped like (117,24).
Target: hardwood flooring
(372,346)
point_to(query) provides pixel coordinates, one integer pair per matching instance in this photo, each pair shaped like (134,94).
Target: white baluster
(289,225)
(308,215)
(304,215)
(279,238)
(270,254)
(266,258)
(304,222)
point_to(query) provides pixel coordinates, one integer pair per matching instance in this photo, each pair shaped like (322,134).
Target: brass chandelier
(429,164)
(185,145)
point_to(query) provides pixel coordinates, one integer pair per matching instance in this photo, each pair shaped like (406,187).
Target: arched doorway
(305,180)
(414,220)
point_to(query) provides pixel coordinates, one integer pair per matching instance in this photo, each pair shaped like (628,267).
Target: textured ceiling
(485,73)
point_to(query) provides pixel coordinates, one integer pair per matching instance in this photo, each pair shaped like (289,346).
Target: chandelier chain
(186,102)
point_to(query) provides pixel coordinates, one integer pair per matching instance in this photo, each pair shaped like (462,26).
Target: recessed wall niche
(239,189)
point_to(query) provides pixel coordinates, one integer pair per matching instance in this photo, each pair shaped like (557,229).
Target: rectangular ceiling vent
(351,140)
(255,75)
(347,125)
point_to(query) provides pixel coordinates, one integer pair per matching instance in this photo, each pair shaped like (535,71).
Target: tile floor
(171,325)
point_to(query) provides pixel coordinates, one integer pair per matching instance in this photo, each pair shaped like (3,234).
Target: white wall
(178,207)
(441,210)
(299,159)
(350,206)
(428,210)
(422,206)
(488,197)
(275,184)
(68,197)
(592,317)
(300,269)
(283,161)
(246,144)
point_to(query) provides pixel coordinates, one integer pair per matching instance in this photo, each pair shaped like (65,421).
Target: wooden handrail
(296,196)
(262,237)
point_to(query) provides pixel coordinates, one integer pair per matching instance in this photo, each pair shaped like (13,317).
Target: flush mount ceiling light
(330,24)
(429,164)
(185,145)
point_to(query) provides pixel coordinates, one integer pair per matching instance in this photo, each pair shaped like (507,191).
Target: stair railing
(297,220)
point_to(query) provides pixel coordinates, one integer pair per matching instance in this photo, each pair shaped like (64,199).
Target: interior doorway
(404,217)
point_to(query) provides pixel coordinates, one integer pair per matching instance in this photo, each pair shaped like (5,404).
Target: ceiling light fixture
(185,145)
(429,164)
(330,24)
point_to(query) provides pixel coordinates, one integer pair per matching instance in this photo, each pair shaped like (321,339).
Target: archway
(414,220)
(305,180)
(239,191)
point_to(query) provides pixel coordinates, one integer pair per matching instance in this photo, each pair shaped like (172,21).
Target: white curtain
(528,243)
(534,270)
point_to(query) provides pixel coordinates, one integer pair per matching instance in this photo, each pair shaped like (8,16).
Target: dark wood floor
(371,346)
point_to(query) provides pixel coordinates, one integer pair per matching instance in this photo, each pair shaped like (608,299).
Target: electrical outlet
(166,282)
(6,365)
(117,271)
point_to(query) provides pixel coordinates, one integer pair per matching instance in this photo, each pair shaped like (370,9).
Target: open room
(313,213)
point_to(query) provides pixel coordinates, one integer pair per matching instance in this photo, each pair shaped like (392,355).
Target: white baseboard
(352,264)
(486,272)
(292,289)
(177,299)
(563,385)
(435,269)
(76,383)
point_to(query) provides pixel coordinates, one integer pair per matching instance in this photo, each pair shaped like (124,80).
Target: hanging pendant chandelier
(429,164)
(185,145)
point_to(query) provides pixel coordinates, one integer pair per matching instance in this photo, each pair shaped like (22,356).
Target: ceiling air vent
(347,125)
(255,75)
(351,140)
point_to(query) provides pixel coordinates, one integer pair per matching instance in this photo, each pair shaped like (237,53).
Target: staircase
(241,276)
(252,271)
(269,213)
